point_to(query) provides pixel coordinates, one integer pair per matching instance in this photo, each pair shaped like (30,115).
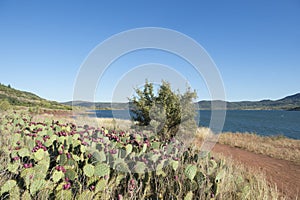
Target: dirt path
(284,173)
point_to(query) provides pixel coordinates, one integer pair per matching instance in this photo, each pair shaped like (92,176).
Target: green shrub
(4,105)
(167,113)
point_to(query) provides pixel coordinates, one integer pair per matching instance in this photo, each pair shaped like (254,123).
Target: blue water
(275,122)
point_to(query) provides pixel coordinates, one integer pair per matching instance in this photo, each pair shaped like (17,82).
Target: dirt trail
(284,173)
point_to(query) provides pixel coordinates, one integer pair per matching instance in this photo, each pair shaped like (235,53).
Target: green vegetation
(294,109)
(168,113)
(51,160)
(21,98)
(4,105)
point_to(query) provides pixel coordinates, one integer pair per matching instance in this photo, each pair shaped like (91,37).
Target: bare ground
(285,174)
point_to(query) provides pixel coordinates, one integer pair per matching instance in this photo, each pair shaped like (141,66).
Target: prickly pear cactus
(189,196)
(70,174)
(8,186)
(190,171)
(101,169)
(101,185)
(57,176)
(88,170)
(128,149)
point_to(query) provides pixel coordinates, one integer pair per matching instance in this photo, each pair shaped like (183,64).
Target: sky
(255,45)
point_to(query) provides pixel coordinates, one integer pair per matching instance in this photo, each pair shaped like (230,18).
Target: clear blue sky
(254,43)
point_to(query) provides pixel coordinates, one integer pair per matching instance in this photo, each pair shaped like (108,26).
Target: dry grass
(108,123)
(81,118)
(275,146)
(246,182)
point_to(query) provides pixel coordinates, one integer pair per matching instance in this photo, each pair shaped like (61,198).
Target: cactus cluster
(56,160)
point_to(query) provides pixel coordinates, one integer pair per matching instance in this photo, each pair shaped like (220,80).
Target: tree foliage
(166,113)
(4,105)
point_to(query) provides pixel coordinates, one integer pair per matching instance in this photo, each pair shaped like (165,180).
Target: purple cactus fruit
(113,151)
(92,188)
(16,158)
(26,165)
(66,186)
(176,178)
(120,197)
(132,182)
(175,158)
(60,152)
(68,155)
(17,148)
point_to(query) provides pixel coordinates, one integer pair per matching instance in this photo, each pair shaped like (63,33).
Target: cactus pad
(70,174)
(189,196)
(190,171)
(88,170)
(101,169)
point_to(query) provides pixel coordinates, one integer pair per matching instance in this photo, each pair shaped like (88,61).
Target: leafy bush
(4,105)
(167,113)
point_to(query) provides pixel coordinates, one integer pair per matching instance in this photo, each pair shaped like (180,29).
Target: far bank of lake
(262,122)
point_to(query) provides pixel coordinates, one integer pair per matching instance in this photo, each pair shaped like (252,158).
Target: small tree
(167,113)
(142,103)
(4,105)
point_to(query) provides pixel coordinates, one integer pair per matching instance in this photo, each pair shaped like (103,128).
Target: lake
(262,122)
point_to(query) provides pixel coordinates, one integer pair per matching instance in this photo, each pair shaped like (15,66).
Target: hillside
(98,105)
(22,98)
(294,109)
(287,103)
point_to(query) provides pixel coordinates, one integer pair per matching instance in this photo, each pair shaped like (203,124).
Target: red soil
(284,173)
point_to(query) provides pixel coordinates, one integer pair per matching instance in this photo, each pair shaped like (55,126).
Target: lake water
(262,122)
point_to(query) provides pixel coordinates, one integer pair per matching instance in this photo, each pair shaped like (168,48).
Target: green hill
(22,98)
(288,103)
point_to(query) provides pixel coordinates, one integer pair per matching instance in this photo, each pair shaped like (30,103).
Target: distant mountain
(287,103)
(98,105)
(22,98)
(294,109)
